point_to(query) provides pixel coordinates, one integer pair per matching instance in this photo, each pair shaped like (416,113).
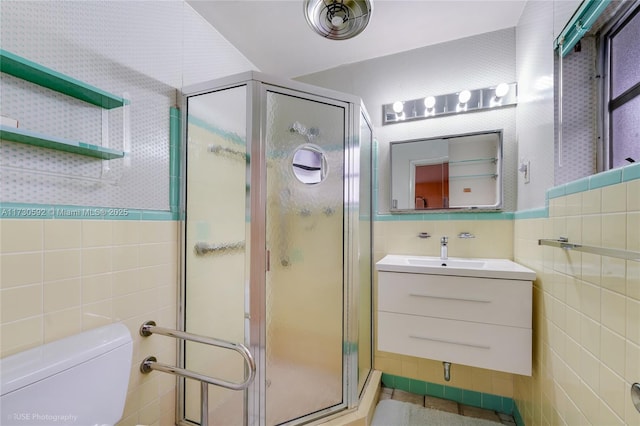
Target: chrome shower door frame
(258,85)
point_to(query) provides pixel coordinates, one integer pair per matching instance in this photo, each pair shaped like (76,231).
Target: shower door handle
(268,260)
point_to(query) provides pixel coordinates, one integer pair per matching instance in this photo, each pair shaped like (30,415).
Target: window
(621,90)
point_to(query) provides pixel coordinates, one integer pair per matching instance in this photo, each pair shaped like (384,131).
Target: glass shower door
(305,290)
(215,255)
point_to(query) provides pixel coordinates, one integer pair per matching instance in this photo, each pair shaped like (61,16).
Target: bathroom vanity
(474,312)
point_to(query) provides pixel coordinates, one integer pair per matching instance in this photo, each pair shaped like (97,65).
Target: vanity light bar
(501,95)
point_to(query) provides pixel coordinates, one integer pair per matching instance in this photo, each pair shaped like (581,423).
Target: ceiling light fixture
(338,19)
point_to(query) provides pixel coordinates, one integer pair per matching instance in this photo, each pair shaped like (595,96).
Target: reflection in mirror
(309,165)
(448,172)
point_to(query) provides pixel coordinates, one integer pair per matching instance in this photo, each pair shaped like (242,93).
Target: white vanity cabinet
(477,321)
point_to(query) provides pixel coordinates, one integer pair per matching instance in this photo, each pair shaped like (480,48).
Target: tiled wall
(493,239)
(586,306)
(61,276)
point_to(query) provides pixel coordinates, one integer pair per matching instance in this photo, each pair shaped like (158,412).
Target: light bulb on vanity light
(398,107)
(501,90)
(464,96)
(429,102)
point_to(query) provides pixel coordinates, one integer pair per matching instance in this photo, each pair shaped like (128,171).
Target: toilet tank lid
(35,364)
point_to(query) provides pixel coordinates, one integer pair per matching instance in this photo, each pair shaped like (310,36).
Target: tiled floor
(446,405)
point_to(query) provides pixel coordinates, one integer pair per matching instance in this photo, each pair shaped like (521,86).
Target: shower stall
(276,238)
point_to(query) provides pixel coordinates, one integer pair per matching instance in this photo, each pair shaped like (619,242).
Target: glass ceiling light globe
(429,102)
(501,90)
(464,96)
(398,107)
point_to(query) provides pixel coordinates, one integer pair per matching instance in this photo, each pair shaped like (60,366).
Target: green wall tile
(576,186)
(434,389)
(469,397)
(472,398)
(453,394)
(388,380)
(556,192)
(402,383)
(610,177)
(631,172)
(492,402)
(418,387)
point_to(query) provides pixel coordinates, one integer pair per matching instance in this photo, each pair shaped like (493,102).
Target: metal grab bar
(151,363)
(564,243)
(204,248)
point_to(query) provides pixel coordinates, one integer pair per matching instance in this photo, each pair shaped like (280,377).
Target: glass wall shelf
(474,160)
(46,77)
(43,141)
(35,73)
(486,175)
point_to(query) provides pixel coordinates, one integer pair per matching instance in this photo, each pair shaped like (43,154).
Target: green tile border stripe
(60,211)
(501,404)
(466,215)
(540,213)
(600,180)
(175,127)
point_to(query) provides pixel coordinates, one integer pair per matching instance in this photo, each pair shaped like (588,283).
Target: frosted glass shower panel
(365,321)
(304,237)
(216,200)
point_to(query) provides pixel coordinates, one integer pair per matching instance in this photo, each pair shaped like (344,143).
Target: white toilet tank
(79,380)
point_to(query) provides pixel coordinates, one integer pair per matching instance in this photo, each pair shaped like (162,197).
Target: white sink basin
(451,263)
(481,268)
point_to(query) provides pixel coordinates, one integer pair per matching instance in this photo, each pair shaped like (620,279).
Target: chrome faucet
(443,248)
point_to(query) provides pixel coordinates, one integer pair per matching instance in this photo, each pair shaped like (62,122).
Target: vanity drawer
(486,300)
(488,346)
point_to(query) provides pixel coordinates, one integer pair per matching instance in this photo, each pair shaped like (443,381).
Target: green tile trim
(555,192)
(580,185)
(59,144)
(600,180)
(25,69)
(453,394)
(472,398)
(158,215)
(579,24)
(517,417)
(466,215)
(540,213)
(631,172)
(60,211)
(175,127)
(610,177)
(501,404)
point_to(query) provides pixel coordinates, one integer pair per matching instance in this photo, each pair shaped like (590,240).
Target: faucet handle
(444,240)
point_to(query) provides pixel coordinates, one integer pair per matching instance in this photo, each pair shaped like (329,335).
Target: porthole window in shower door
(309,164)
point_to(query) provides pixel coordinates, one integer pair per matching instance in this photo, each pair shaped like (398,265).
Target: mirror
(447,172)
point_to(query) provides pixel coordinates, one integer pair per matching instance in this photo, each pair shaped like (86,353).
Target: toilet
(79,380)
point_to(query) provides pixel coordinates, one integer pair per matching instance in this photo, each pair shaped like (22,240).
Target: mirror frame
(497,206)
